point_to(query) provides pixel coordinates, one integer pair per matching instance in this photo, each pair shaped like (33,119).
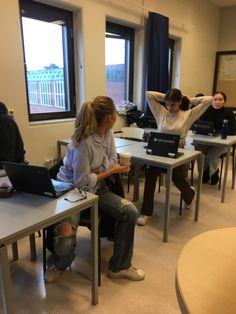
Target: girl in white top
(90,159)
(171,119)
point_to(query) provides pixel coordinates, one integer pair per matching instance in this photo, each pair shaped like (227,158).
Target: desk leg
(15,255)
(167,205)
(32,247)
(200,161)
(225,175)
(136,181)
(5,278)
(234,167)
(94,238)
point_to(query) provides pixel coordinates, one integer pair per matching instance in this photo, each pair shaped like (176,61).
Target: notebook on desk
(204,128)
(34,180)
(164,144)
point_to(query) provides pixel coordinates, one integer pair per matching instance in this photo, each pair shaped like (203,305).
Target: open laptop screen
(34,180)
(163,144)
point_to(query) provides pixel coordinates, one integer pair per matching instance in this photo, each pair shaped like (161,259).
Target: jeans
(125,214)
(179,176)
(64,246)
(211,156)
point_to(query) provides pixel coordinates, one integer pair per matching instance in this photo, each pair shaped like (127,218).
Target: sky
(43,45)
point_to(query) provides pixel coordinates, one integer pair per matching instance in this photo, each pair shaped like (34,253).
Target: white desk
(119,142)
(23,214)
(139,155)
(217,141)
(206,276)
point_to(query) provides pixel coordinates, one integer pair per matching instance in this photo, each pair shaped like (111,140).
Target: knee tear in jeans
(66,229)
(125,202)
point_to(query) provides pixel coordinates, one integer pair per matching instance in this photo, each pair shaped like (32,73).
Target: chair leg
(14,248)
(192,170)
(180,205)
(160,183)
(128,182)
(32,247)
(221,169)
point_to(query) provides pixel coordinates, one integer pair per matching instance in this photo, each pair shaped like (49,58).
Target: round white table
(206,273)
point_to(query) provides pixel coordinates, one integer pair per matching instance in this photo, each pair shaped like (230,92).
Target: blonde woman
(90,159)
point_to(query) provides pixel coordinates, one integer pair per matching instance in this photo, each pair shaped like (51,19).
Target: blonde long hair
(91,115)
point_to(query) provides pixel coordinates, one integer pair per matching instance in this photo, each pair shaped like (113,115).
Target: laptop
(34,180)
(164,144)
(204,128)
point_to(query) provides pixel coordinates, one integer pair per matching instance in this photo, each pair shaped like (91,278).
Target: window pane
(47,34)
(119,47)
(115,69)
(44,65)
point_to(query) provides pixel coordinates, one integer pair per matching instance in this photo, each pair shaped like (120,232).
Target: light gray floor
(156,294)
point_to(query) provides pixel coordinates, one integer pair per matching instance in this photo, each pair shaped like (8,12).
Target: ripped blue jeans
(125,214)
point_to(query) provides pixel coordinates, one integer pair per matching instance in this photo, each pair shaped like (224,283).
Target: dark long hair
(222,93)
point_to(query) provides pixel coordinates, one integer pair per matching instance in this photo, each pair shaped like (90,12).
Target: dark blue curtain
(157,45)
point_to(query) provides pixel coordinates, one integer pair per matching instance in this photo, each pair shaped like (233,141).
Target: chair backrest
(132,133)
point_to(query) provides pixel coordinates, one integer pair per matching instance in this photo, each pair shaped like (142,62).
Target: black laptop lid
(163,144)
(31,179)
(203,128)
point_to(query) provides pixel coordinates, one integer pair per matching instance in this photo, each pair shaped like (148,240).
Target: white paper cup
(125,158)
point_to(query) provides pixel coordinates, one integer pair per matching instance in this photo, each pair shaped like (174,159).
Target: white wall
(227,35)
(195,22)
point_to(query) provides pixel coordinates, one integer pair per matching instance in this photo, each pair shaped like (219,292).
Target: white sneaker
(52,273)
(142,220)
(131,273)
(189,206)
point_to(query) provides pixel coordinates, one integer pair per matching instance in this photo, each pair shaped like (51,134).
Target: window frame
(44,12)
(171,61)
(127,33)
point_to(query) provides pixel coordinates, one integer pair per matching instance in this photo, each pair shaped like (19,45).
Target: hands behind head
(121,169)
(185,98)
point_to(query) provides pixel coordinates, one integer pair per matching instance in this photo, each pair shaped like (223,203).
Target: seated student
(11,143)
(90,159)
(216,113)
(171,120)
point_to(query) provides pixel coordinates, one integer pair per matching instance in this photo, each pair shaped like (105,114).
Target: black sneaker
(215,177)
(206,176)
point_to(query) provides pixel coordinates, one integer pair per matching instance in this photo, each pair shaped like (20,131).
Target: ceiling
(223,3)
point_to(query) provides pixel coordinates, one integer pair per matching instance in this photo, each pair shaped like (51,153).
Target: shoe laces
(132,270)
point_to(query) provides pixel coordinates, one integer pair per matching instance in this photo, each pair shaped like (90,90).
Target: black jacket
(11,143)
(217,116)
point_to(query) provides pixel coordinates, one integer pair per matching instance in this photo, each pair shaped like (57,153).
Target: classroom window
(119,62)
(47,34)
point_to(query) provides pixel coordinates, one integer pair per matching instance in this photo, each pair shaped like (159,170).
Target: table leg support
(33,255)
(233,170)
(5,278)
(167,205)
(15,255)
(94,244)
(225,175)
(200,161)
